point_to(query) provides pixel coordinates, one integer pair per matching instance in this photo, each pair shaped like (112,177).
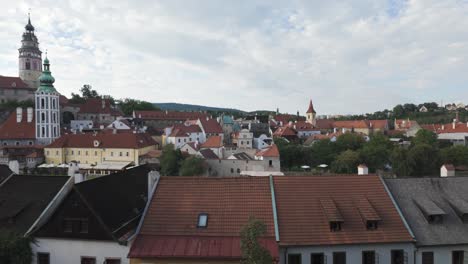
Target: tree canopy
(192,166)
(252,251)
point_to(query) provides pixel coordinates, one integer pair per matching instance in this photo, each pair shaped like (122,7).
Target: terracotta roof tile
(311,108)
(13,83)
(169,115)
(172,217)
(285,131)
(211,126)
(10,129)
(104,140)
(302,220)
(213,142)
(98,105)
(271,151)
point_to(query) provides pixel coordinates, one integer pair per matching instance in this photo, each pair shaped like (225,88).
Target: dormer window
(435,219)
(335,226)
(202,220)
(431,211)
(372,225)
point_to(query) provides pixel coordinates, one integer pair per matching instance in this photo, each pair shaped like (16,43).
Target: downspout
(273,205)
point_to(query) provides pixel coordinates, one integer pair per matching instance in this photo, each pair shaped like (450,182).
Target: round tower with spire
(47,107)
(311,114)
(30,57)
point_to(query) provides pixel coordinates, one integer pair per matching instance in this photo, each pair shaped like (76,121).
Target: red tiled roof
(178,133)
(229,202)
(169,115)
(208,154)
(303,126)
(10,129)
(105,140)
(213,142)
(211,126)
(7,82)
(284,131)
(95,105)
(324,123)
(379,124)
(271,151)
(188,128)
(285,118)
(194,247)
(311,108)
(450,128)
(351,124)
(302,221)
(449,167)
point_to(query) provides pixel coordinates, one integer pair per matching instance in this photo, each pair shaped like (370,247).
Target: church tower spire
(47,107)
(30,56)
(311,114)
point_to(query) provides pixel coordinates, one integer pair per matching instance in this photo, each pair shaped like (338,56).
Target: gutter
(273,205)
(398,208)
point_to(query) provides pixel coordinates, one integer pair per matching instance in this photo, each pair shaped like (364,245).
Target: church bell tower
(30,57)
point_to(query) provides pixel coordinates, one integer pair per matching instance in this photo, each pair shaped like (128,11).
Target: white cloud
(348,58)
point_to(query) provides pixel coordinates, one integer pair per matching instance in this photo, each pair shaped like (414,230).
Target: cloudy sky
(349,58)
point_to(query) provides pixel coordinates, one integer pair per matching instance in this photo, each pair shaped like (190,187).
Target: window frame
(318,254)
(335,258)
(429,254)
(43,254)
(200,215)
(294,255)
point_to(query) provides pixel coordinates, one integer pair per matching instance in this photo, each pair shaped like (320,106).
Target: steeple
(46,80)
(30,56)
(310,114)
(47,107)
(311,108)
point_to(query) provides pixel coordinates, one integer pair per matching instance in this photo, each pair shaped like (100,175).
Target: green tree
(13,104)
(322,152)
(456,155)
(252,251)
(352,141)
(346,162)
(424,136)
(376,153)
(398,111)
(401,164)
(129,105)
(15,248)
(170,160)
(424,159)
(192,166)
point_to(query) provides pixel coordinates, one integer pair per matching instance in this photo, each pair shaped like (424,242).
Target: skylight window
(202,220)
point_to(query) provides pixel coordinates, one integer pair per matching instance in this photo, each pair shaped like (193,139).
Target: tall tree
(252,251)
(456,155)
(376,153)
(351,141)
(424,159)
(192,166)
(401,164)
(424,136)
(129,105)
(346,162)
(170,160)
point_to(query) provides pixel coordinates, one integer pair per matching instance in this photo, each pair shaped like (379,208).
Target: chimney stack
(103,102)
(363,169)
(29,114)
(454,124)
(19,114)
(447,170)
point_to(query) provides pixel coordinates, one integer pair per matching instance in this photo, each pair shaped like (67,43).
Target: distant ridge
(193,108)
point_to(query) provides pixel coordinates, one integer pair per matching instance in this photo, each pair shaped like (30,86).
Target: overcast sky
(348,56)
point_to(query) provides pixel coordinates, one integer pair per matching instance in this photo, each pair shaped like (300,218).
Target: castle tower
(47,108)
(310,114)
(30,58)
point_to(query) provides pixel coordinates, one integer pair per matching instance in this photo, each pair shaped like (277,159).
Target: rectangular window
(79,152)
(368,257)
(67,225)
(270,163)
(43,258)
(317,258)
(95,153)
(398,257)
(88,260)
(120,154)
(428,257)
(339,257)
(86,153)
(127,154)
(112,261)
(56,152)
(457,257)
(112,154)
(294,259)
(84,226)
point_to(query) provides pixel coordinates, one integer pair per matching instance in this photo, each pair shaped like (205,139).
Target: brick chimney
(19,114)
(29,114)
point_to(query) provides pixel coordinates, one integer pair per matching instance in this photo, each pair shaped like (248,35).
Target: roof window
(202,220)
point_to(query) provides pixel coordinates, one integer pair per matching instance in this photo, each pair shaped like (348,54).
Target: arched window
(43,117)
(42,103)
(27,66)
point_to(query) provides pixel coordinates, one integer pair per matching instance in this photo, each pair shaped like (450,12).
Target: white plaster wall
(353,252)
(66,251)
(441,254)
